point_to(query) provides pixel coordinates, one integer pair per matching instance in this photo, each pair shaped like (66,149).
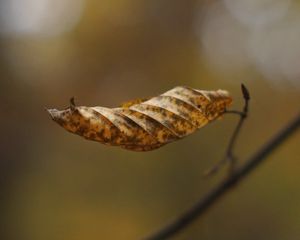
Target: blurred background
(58,186)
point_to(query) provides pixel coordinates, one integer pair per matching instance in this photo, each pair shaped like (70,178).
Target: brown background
(58,186)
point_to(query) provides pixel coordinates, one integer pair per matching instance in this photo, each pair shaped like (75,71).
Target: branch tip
(245,92)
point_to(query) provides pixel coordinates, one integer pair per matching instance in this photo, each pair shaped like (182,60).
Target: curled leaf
(145,124)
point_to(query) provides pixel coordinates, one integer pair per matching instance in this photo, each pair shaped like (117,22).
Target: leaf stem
(229,155)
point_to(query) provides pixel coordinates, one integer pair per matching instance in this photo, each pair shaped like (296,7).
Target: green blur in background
(58,186)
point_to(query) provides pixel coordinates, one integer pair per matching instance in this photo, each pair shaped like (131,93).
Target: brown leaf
(145,124)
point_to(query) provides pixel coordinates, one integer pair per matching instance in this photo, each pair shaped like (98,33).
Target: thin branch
(215,194)
(229,156)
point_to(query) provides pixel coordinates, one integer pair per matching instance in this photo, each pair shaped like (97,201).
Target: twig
(215,194)
(229,156)
(72,103)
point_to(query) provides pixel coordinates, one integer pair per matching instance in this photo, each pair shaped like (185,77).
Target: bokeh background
(58,186)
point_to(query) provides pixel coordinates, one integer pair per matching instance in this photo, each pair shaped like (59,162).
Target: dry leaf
(145,124)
